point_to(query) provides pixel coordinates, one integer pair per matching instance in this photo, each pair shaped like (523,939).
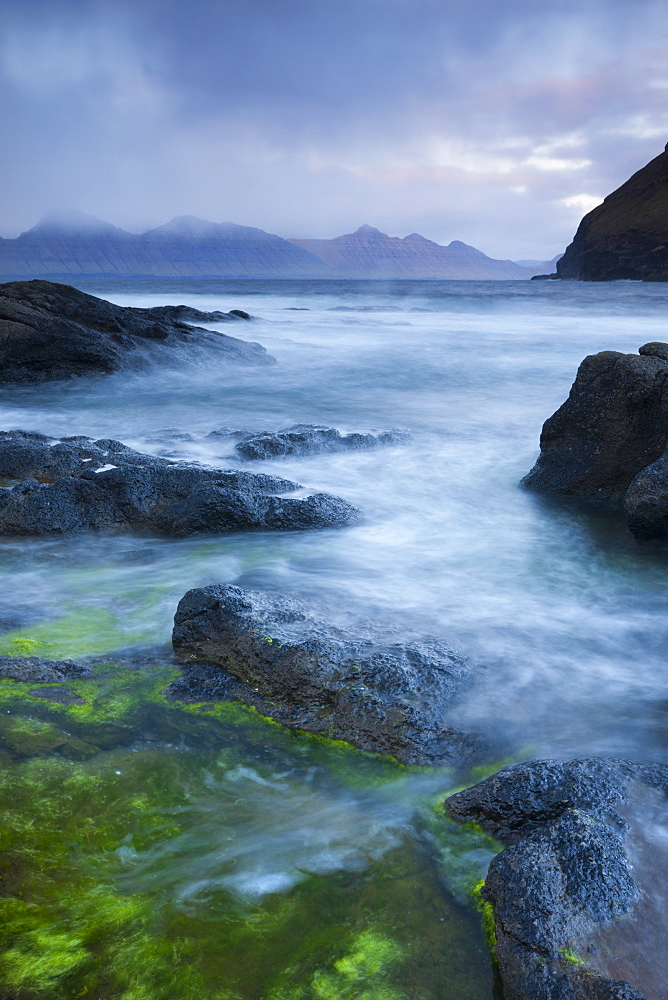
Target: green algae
(569,956)
(93,847)
(85,631)
(77,919)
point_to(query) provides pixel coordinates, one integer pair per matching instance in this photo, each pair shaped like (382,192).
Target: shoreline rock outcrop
(50,331)
(607,442)
(565,881)
(311,439)
(268,652)
(74,485)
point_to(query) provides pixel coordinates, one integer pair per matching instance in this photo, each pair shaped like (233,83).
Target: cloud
(468,120)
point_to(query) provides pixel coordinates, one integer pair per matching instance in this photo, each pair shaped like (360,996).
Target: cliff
(626,237)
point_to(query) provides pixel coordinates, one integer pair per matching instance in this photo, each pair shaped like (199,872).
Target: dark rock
(607,442)
(381,697)
(34,669)
(78,485)
(311,439)
(626,236)
(654,350)
(565,873)
(646,503)
(188,314)
(613,424)
(52,331)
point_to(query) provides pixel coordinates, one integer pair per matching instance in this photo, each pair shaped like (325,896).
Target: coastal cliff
(626,237)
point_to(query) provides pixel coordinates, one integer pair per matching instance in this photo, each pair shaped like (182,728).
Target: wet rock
(381,697)
(646,503)
(188,314)
(613,424)
(311,439)
(565,874)
(34,669)
(76,485)
(53,331)
(606,443)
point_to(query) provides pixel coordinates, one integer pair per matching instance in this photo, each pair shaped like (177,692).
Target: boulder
(565,880)
(75,485)
(311,439)
(606,443)
(52,331)
(188,314)
(268,651)
(34,669)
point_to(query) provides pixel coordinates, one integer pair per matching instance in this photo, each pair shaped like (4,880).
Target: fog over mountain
(500,123)
(66,244)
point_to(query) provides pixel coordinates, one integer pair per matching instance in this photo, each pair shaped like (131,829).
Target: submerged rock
(52,331)
(311,439)
(37,670)
(607,441)
(76,484)
(566,875)
(382,697)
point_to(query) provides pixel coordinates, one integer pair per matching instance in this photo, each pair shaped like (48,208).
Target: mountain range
(63,245)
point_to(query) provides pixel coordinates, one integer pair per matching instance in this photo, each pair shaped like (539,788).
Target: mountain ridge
(70,243)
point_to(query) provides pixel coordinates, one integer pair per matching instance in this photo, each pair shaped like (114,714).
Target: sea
(286,869)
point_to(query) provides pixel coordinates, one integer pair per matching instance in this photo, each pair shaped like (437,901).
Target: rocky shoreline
(565,876)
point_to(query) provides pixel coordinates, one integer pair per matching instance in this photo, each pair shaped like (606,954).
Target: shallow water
(563,612)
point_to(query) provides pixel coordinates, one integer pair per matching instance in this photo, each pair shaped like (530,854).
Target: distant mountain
(68,244)
(626,237)
(368,253)
(77,244)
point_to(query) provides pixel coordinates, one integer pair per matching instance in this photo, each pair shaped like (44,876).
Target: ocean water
(562,612)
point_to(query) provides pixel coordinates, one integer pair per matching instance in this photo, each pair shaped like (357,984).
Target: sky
(496,123)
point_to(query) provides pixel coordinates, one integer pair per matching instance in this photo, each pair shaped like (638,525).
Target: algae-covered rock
(384,697)
(34,668)
(565,876)
(77,485)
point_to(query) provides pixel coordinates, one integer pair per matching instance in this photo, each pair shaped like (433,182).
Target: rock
(188,314)
(311,439)
(52,331)
(382,697)
(654,350)
(565,876)
(36,670)
(607,443)
(626,237)
(77,484)
(646,503)
(613,424)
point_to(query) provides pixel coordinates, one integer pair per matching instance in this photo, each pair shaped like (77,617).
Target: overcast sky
(496,123)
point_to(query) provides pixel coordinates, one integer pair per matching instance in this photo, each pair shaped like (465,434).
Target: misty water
(561,611)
